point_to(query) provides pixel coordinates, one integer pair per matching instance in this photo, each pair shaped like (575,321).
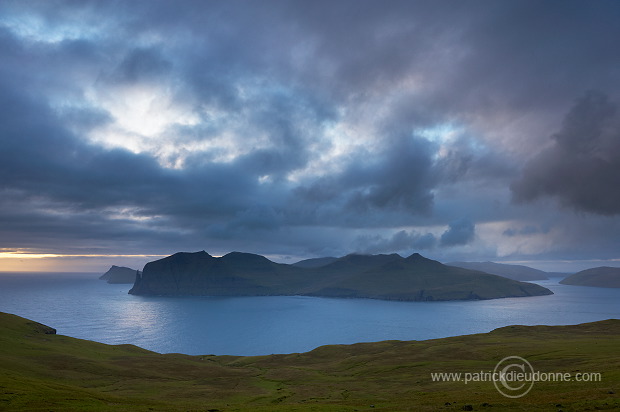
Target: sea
(82,306)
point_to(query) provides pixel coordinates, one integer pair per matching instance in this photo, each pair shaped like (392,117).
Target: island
(119,274)
(515,272)
(389,277)
(602,277)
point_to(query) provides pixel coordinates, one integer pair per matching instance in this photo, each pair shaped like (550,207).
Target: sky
(462,130)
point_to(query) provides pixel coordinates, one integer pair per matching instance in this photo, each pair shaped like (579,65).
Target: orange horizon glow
(24,261)
(22,255)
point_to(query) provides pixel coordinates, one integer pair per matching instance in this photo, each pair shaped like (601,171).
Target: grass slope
(40,371)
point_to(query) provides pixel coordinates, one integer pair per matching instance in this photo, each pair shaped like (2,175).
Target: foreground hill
(41,371)
(603,277)
(515,272)
(119,274)
(354,276)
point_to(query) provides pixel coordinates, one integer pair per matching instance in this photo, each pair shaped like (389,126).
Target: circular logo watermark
(512,374)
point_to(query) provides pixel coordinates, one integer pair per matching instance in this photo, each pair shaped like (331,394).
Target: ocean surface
(81,306)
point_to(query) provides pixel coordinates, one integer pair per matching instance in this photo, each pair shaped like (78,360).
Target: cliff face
(235,274)
(361,276)
(173,274)
(119,274)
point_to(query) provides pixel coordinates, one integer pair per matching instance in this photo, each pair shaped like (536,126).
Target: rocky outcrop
(119,274)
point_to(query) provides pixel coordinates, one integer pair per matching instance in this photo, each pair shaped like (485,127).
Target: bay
(81,306)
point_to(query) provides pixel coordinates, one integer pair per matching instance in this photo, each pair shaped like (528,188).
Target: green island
(43,371)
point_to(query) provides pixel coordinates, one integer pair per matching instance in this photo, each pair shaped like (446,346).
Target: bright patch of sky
(494,234)
(130,214)
(331,158)
(442,134)
(35,29)
(140,113)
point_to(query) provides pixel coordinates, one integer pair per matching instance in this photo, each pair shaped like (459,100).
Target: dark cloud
(401,241)
(142,64)
(582,166)
(398,177)
(459,232)
(468,159)
(255,218)
(526,230)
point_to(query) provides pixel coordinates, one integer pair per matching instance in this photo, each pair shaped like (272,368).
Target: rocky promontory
(119,274)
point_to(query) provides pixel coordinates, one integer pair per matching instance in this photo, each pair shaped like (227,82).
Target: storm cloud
(295,129)
(582,166)
(460,232)
(401,241)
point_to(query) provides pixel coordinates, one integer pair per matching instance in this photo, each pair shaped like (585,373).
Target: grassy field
(48,372)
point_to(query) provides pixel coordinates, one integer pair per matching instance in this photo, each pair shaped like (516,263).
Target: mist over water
(81,306)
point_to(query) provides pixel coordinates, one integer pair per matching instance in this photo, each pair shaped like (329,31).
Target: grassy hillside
(40,371)
(602,277)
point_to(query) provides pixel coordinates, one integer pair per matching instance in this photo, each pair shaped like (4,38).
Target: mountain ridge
(389,277)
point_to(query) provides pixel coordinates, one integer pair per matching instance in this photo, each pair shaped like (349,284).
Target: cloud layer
(296,129)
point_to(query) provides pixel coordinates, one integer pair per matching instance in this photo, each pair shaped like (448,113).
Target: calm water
(84,307)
